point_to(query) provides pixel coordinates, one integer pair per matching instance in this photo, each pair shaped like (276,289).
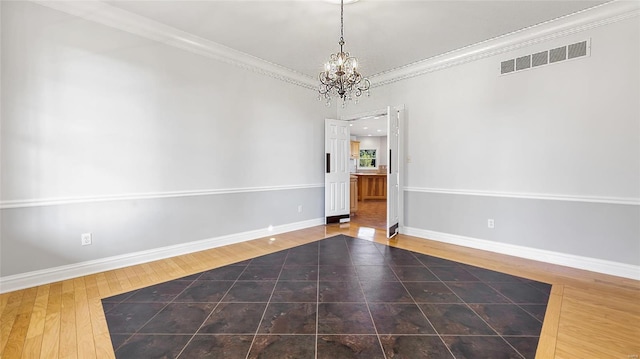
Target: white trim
(50,275)
(597,16)
(633,201)
(540,255)
(38,202)
(105,14)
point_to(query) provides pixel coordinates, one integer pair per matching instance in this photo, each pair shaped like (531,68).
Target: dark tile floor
(337,298)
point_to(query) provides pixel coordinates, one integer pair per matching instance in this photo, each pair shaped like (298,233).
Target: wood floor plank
(20,327)
(114,283)
(51,335)
(123,279)
(143,277)
(549,332)
(8,317)
(151,273)
(100,330)
(102,339)
(4,299)
(160,271)
(133,277)
(103,285)
(85,337)
(174,269)
(68,329)
(33,340)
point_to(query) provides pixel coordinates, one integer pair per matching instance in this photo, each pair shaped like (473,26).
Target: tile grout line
(517,304)
(366,302)
(420,309)
(268,302)
(155,315)
(488,284)
(478,315)
(212,310)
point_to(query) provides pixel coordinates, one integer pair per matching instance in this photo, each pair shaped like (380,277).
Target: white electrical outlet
(85,239)
(299,208)
(490,223)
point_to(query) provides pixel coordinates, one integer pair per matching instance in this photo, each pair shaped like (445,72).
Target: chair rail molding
(38,202)
(633,201)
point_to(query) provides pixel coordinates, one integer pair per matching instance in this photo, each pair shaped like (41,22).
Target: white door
(336,178)
(393,169)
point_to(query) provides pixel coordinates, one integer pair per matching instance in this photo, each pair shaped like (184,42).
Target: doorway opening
(374,177)
(369,169)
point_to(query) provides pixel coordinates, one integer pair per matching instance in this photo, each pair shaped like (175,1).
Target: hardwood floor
(590,315)
(371,213)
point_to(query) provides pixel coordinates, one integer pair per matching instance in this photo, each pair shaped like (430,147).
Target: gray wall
(41,237)
(565,131)
(595,230)
(90,113)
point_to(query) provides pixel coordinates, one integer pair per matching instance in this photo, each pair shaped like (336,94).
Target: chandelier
(340,76)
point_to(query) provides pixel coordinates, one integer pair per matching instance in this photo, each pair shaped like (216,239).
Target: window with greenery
(368,159)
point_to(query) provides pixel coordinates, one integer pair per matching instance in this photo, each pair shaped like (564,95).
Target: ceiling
(369,126)
(383,34)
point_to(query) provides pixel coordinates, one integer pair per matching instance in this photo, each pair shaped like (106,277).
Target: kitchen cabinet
(353,194)
(372,186)
(355,149)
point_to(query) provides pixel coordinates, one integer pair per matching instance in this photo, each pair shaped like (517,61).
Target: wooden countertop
(369,174)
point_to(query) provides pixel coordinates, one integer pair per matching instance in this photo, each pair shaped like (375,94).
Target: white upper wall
(571,128)
(88,110)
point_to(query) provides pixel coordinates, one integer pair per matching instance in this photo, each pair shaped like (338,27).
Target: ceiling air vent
(577,50)
(539,59)
(558,54)
(507,66)
(523,62)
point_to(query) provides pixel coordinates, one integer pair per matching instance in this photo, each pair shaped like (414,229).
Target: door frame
(401,154)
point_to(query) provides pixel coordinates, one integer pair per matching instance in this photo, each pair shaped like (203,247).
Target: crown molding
(604,14)
(105,14)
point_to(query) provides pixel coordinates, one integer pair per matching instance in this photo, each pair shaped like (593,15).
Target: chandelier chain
(341,77)
(342,20)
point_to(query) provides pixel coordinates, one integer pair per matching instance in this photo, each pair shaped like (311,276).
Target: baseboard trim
(50,275)
(541,255)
